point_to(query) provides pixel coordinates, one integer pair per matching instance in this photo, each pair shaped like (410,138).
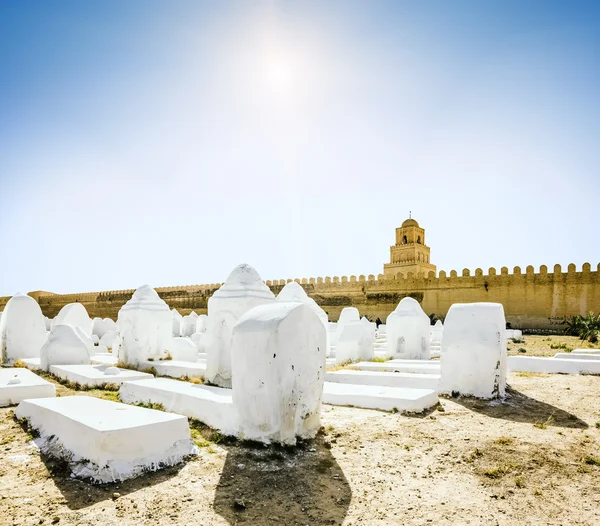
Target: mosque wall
(531,300)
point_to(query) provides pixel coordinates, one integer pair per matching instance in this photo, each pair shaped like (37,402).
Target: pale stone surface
(401,399)
(533,364)
(400,366)
(18,384)
(188,324)
(97,375)
(408,331)
(109,339)
(75,314)
(211,405)
(183,349)
(201,323)
(436,334)
(145,327)
(243,290)
(104,359)
(107,441)
(473,360)
(176,368)
(576,356)
(385,379)
(22,329)
(176,323)
(278,358)
(64,346)
(47,321)
(355,342)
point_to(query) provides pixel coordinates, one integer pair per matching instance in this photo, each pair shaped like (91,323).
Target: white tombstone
(243,290)
(355,341)
(278,359)
(47,321)
(110,324)
(473,360)
(199,339)
(64,346)
(201,323)
(108,339)
(408,331)
(293,292)
(332,334)
(176,323)
(22,329)
(98,327)
(75,314)
(382,330)
(89,343)
(436,333)
(145,326)
(183,349)
(188,324)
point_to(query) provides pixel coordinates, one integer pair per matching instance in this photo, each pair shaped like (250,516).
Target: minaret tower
(409,254)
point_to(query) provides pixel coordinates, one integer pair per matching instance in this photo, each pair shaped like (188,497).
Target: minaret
(409,254)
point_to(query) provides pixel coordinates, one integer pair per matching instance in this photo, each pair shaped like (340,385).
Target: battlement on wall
(443,276)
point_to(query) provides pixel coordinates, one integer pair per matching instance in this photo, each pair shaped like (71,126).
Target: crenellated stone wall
(531,300)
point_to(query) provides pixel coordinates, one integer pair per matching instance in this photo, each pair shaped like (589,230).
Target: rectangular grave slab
(405,366)
(576,356)
(106,358)
(18,384)
(385,379)
(107,441)
(33,364)
(531,364)
(586,351)
(401,399)
(211,405)
(94,375)
(176,368)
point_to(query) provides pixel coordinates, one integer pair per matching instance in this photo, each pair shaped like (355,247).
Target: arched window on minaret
(419,240)
(404,240)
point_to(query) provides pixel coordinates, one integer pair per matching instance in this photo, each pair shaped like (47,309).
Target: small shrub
(562,346)
(520,482)
(544,425)
(151,405)
(20,364)
(517,340)
(591,461)
(522,350)
(504,441)
(597,425)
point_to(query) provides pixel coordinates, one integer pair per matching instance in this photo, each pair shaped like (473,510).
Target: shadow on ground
(519,407)
(293,486)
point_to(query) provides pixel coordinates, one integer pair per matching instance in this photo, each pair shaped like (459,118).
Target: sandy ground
(533,459)
(547,345)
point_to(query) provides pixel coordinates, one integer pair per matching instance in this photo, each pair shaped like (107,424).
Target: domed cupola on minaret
(409,254)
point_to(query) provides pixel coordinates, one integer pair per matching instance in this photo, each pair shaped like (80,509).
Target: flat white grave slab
(379,353)
(405,366)
(211,405)
(376,397)
(105,358)
(33,364)
(385,379)
(532,364)
(94,375)
(107,441)
(176,368)
(585,351)
(18,384)
(576,356)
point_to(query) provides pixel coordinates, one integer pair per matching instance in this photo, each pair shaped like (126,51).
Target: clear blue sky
(166,142)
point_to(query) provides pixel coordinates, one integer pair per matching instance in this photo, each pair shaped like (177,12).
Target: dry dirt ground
(547,345)
(534,459)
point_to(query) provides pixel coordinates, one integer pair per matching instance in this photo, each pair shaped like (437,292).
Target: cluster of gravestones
(263,360)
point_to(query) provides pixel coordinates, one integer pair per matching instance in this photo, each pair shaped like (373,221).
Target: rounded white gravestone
(108,339)
(355,341)
(293,292)
(408,331)
(201,323)
(473,360)
(48,322)
(278,358)
(183,349)
(243,290)
(89,343)
(98,327)
(188,324)
(145,326)
(437,332)
(176,323)
(75,314)
(22,329)
(65,346)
